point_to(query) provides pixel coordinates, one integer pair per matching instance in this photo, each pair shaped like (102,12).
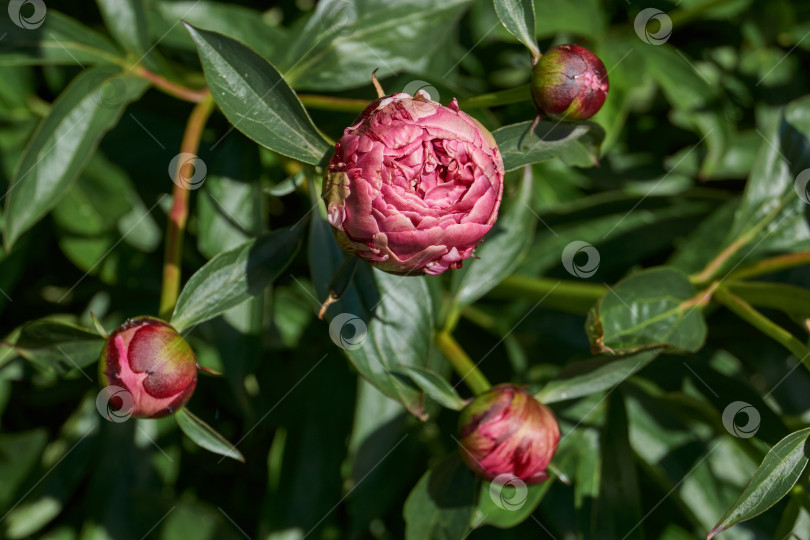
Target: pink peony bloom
(506,431)
(569,82)
(414,186)
(150,360)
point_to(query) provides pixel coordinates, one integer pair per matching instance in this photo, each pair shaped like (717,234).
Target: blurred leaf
(385,321)
(652,308)
(517,17)
(256,98)
(501,249)
(241,23)
(58,346)
(435,387)
(60,40)
(345,40)
(577,143)
(126,22)
(775,477)
(64,142)
(233,276)
(19,452)
(507,506)
(585,18)
(590,376)
(205,436)
(617,512)
(441,503)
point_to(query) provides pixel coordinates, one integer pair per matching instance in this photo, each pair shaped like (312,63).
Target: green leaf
(58,346)
(435,386)
(256,99)
(60,40)
(64,142)
(394,311)
(508,505)
(233,276)
(585,18)
(595,375)
(775,477)
(517,17)
(617,512)
(502,248)
(345,40)
(205,436)
(441,503)
(577,143)
(126,21)
(650,309)
(19,452)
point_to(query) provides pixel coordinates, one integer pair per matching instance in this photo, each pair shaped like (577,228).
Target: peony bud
(150,360)
(414,186)
(506,431)
(569,82)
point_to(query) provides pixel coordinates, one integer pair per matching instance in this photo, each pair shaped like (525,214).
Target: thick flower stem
(179,211)
(745,311)
(462,363)
(569,296)
(782,262)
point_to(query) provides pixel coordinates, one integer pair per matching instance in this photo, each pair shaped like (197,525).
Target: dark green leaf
(577,143)
(595,375)
(518,18)
(64,142)
(233,276)
(345,40)
(205,436)
(256,98)
(19,452)
(653,308)
(508,505)
(435,387)
(775,477)
(501,249)
(126,21)
(58,346)
(441,503)
(60,40)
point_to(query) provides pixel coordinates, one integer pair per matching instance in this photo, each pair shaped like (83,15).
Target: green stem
(329,103)
(774,264)
(745,311)
(462,363)
(179,212)
(569,296)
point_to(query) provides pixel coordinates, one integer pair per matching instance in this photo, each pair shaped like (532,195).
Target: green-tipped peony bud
(569,82)
(153,363)
(506,431)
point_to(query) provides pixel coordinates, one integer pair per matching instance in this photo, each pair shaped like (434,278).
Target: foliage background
(687,123)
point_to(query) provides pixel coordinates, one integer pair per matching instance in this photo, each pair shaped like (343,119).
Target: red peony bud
(150,360)
(569,82)
(506,431)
